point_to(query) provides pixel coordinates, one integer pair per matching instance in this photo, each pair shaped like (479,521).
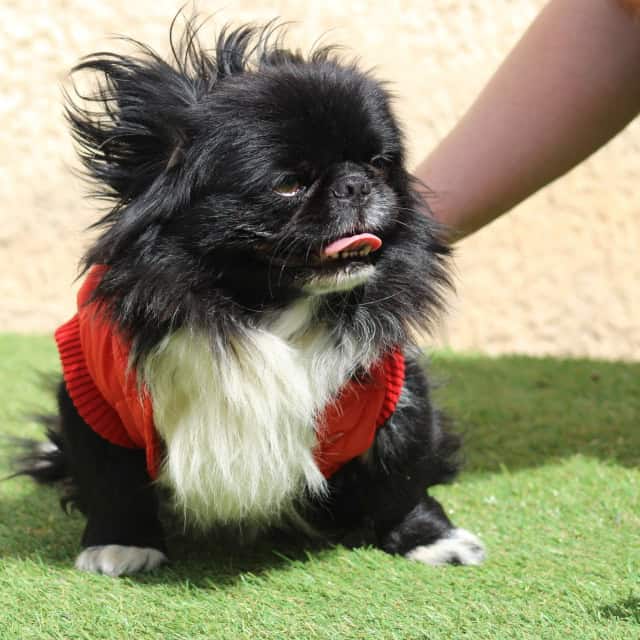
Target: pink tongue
(352,243)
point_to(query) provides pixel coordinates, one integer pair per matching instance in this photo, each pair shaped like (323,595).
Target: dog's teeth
(343,255)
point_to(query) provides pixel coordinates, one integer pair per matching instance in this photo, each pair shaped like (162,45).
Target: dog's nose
(351,187)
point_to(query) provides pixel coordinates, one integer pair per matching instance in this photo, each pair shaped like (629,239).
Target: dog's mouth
(337,254)
(360,245)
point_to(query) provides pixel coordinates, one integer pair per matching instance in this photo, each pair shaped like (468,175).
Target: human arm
(571,83)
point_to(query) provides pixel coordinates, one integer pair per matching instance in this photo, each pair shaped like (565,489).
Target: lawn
(551,484)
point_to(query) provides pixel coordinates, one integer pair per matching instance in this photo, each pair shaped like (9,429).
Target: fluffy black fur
(194,156)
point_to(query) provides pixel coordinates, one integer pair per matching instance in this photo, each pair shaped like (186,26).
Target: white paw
(459,547)
(116,560)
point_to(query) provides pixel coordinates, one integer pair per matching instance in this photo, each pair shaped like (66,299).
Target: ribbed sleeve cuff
(394,374)
(86,397)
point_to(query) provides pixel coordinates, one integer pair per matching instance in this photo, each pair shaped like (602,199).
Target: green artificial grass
(551,485)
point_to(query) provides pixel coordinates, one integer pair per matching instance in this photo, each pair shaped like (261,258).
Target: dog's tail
(44,460)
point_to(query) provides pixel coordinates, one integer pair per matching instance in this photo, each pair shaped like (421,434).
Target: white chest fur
(239,426)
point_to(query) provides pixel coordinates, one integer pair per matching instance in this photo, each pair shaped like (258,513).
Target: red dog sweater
(110,399)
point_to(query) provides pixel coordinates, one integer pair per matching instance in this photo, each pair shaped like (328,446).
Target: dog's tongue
(352,243)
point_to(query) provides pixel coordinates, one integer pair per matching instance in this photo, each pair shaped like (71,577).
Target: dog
(243,349)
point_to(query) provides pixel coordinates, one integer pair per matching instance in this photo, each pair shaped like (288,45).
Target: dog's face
(301,176)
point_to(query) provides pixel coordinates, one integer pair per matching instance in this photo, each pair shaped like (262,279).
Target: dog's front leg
(412,453)
(385,490)
(123,534)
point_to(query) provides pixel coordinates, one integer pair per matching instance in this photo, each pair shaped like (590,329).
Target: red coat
(109,398)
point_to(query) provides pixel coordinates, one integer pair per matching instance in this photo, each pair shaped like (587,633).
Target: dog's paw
(116,560)
(459,547)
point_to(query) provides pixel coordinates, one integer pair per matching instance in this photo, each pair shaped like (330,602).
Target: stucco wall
(559,275)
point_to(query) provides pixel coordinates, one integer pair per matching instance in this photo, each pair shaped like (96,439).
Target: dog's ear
(135,127)
(139,123)
(132,133)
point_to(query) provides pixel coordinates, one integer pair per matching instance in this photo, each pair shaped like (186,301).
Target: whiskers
(282,251)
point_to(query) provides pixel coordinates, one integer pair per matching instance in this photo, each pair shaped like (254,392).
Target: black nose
(351,187)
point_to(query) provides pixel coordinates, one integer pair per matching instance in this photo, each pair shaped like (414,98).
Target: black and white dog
(243,341)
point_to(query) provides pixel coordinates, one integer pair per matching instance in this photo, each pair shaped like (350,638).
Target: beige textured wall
(560,275)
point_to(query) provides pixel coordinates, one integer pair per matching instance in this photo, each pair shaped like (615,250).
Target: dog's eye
(289,185)
(381,163)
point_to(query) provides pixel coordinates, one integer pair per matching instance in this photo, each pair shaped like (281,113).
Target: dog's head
(250,173)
